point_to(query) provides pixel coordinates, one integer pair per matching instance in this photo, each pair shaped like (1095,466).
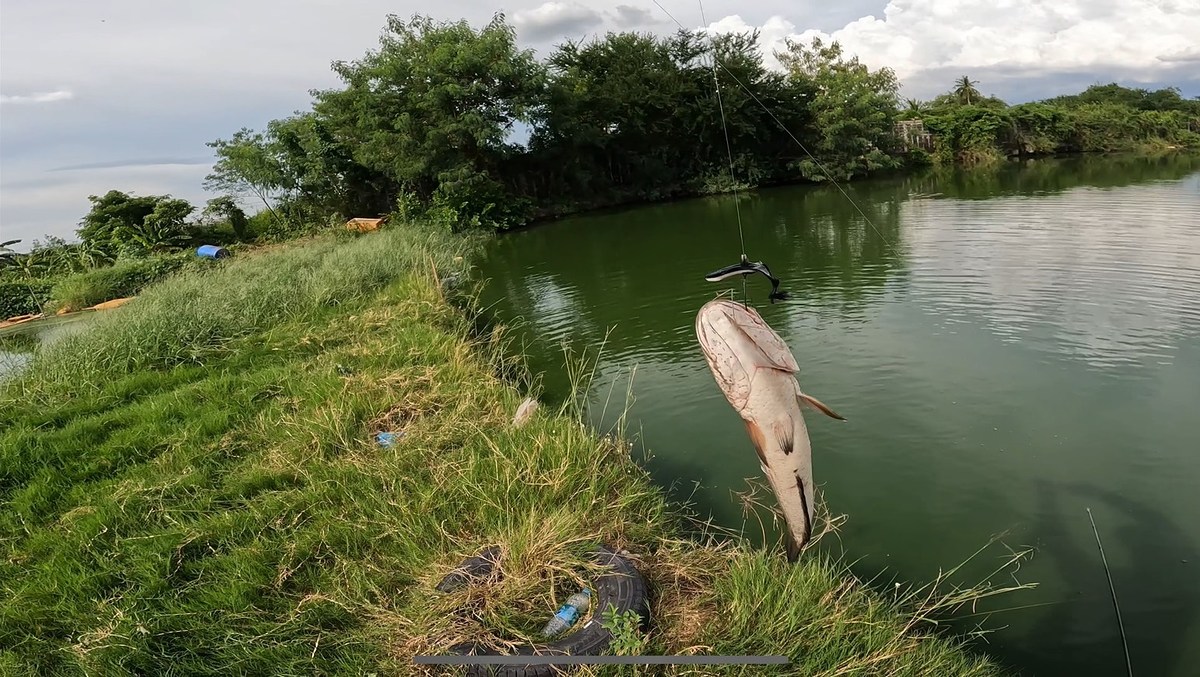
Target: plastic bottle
(575,606)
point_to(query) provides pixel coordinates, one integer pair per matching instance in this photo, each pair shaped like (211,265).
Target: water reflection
(1005,344)
(1173,588)
(1045,176)
(1106,276)
(19,343)
(640,274)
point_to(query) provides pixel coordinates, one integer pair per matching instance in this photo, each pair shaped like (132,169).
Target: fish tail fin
(793,549)
(796,542)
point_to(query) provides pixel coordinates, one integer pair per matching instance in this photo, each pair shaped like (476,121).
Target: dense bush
(125,278)
(21,297)
(119,223)
(1082,124)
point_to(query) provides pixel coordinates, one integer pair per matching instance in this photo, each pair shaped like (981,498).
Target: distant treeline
(969,127)
(454,125)
(425,123)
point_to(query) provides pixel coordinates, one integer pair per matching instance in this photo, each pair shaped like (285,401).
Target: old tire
(622,586)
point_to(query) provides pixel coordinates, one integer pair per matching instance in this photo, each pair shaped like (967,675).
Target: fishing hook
(745,267)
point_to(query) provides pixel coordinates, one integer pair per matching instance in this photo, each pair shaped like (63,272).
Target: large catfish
(757,373)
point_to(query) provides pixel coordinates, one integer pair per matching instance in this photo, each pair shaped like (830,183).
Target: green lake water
(1010,348)
(18,343)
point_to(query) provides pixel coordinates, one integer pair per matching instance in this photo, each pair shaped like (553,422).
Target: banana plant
(8,257)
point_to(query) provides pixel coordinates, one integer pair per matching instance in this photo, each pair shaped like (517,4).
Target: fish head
(736,343)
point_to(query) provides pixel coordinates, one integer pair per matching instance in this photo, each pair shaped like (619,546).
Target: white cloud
(53,204)
(631,17)
(39,97)
(917,36)
(1184,55)
(556,19)
(152,79)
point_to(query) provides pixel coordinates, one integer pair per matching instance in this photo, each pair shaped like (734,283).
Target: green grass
(191,486)
(124,278)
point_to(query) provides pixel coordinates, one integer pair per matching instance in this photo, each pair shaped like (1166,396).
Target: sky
(125,93)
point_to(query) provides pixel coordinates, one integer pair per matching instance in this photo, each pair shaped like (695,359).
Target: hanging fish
(757,373)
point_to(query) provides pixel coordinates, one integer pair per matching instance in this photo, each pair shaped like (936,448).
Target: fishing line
(1113,590)
(785,129)
(725,129)
(737,206)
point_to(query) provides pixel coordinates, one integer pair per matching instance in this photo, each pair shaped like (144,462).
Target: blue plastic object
(386,439)
(211,251)
(568,613)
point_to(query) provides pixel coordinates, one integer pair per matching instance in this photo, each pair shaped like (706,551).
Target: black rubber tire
(622,586)
(472,568)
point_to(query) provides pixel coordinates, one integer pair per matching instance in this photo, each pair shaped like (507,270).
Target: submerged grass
(191,486)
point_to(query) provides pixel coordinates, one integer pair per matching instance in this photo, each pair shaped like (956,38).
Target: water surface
(1010,348)
(17,344)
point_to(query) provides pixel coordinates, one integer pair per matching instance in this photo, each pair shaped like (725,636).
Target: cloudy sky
(125,93)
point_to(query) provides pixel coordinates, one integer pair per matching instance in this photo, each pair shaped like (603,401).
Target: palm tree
(914,108)
(7,256)
(964,89)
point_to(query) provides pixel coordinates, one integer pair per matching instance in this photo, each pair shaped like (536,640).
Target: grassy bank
(192,485)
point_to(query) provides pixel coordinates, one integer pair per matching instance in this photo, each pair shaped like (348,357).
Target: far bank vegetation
(457,126)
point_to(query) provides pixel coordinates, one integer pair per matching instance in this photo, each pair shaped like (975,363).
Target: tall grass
(192,486)
(200,312)
(122,279)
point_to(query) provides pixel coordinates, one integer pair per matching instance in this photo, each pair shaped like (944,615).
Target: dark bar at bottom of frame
(601,660)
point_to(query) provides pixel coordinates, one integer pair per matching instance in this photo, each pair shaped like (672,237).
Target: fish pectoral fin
(759,441)
(819,406)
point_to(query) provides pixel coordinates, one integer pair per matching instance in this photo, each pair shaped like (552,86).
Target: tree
(110,213)
(964,89)
(118,221)
(227,208)
(914,109)
(437,100)
(8,256)
(854,110)
(162,229)
(247,164)
(616,113)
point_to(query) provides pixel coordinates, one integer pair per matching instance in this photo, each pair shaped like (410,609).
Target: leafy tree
(110,213)
(436,100)
(321,174)
(613,114)
(248,164)
(1039,128)
(964,89)
(51,257)
(854,110)
(163,229)
(970,134)
(914,109)
(1166,99)
(227,208)
(121,222)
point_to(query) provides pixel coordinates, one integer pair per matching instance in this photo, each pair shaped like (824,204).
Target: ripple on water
(996,359)
(1111,293)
